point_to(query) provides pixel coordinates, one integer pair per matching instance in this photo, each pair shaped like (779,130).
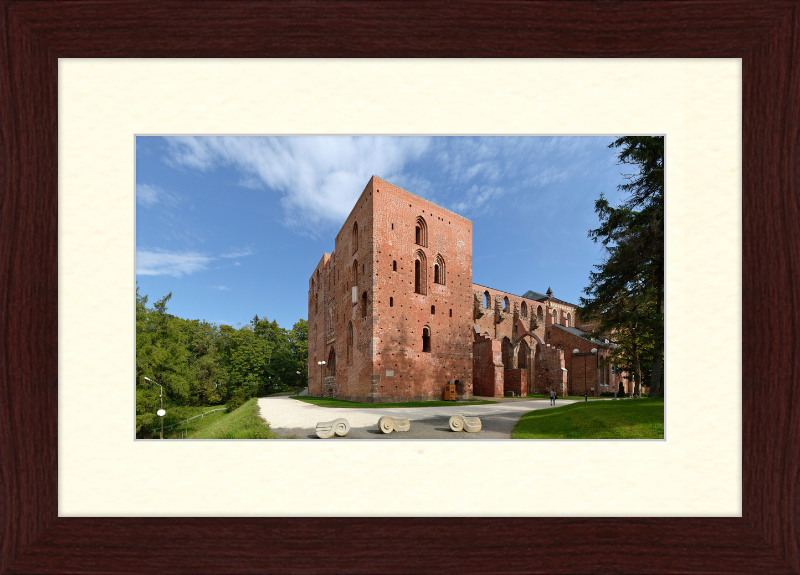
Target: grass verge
(634,419)
(328,402)
(242,423)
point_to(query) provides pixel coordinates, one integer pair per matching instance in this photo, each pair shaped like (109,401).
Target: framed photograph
(35,538)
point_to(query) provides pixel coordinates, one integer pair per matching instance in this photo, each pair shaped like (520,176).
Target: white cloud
(162,262)
(238,253)
(149,195)
(220,288)
(319,178)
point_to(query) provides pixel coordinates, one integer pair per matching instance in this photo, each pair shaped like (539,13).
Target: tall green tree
(633,271)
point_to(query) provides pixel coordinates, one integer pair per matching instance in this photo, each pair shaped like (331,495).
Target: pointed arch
(355,272)
(524,309)
(569,320)
(522,357)
(505,304)
(439,272)
(426,339)
(420,273)
(421,232)
(331,367)
(354,237)
(506,353)
(487,300)
(540,314)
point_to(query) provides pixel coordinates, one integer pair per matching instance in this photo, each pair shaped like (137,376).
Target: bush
(235,402)
(607,394)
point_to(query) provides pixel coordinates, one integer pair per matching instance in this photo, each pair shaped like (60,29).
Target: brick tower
(390,310)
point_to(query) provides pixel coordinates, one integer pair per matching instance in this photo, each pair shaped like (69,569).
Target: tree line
(201,363)
(626,291)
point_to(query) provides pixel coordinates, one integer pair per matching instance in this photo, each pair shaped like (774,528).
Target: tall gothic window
(439,270)
(420,272)
(421,232)
(354,238)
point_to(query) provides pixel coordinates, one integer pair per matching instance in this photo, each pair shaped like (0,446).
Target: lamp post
(321,367)
(575,353)
(161,411)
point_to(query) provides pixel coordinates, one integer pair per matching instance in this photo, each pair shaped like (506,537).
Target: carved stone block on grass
(468,423)
(326,429)
(388,424)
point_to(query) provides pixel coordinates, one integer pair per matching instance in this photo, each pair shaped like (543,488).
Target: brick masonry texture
(394,314)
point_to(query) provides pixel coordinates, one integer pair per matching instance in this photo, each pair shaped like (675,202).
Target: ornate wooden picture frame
(33,539)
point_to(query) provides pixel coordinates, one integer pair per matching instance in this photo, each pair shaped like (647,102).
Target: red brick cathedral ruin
(395,316)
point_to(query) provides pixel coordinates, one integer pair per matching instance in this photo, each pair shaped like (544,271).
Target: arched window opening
(350,342)
(486,300)
(354,239)
(524,310)
(355,272)
(391,302)
(556,318)
(426,339)
(364,304)
(433,310)
(331,367)
(506,353)
(439,270)
(420,269)
(505,304)
(540,314)
(522,358)
(394,266)
(421,232)
(569,320)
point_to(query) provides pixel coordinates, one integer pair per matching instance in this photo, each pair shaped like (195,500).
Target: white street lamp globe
(161,412)
(575,351)
(594,350)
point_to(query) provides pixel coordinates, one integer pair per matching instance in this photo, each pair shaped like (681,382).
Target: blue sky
(234,226)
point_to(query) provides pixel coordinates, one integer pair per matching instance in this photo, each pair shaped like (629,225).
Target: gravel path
(288,416)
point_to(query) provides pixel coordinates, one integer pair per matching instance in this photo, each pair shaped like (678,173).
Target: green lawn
(629,419)
(242,423)
(543,396)
(328,402)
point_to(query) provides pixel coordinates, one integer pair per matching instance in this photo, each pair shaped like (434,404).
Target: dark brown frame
(33,539)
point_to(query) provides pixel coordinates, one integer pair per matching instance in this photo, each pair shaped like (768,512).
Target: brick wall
(487,369)
(516,380)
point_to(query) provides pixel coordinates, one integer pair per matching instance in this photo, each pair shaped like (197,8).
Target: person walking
(552,397)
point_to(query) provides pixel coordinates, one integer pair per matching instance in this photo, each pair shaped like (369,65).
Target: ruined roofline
(527,298)
(584,336)
(421,198)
